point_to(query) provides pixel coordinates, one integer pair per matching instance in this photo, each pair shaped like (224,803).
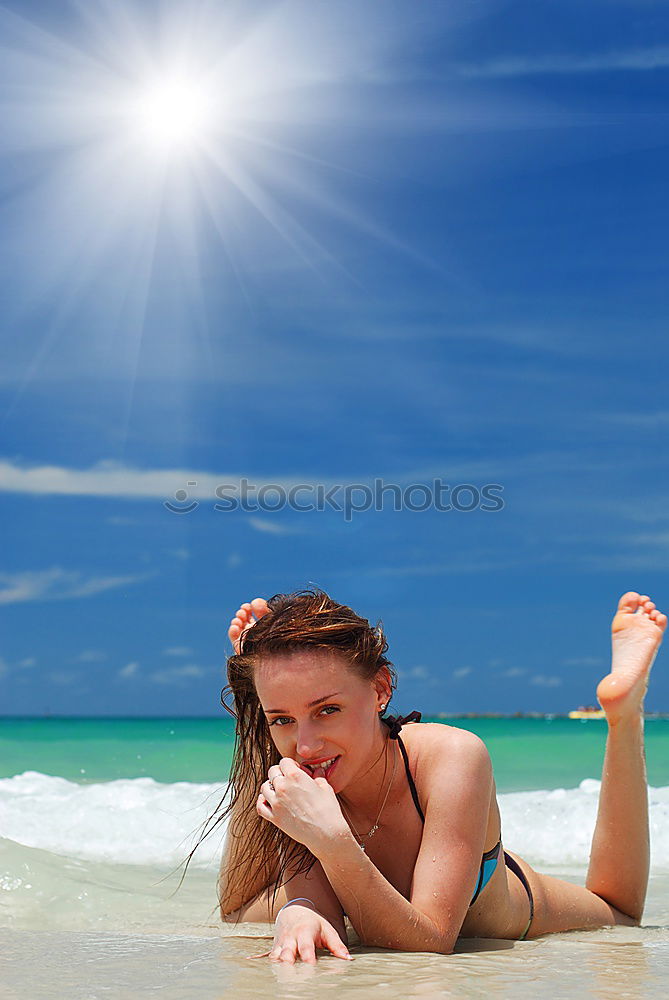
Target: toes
(648,607)
(661,619)
(259,606)
(630,601)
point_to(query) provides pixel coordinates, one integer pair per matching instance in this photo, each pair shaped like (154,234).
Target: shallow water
(98,965)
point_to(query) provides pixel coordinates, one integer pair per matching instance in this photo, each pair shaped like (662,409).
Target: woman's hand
(299,931)
(305,808)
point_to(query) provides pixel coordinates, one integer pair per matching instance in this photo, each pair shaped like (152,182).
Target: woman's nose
(308,743)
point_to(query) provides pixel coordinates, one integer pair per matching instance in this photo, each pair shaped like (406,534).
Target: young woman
(338,811)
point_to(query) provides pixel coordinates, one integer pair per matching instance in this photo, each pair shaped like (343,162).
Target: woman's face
(322,713)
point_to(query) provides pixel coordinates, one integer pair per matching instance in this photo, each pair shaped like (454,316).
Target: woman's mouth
(323,769)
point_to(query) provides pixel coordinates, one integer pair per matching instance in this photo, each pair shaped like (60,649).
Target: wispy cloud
(63,677)
(461,672)
(27,662)
(273,527)
(57,584)
(177,675)
(113,479)
(651,58)
(514,672)
(178,651)
(635,421)
(91,656)
(583,661)
(129,670)
(543,680)
(418,673)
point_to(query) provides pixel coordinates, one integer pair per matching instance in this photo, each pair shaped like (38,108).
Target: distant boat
(587,712)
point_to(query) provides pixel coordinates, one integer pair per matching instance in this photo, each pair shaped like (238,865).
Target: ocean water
(96,817)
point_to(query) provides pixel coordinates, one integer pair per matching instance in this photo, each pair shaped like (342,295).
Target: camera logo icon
(181,496)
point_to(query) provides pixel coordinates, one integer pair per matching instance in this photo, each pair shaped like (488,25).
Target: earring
(383,708)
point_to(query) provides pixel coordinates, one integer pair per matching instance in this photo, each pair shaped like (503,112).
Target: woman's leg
(619,859)
(620,855)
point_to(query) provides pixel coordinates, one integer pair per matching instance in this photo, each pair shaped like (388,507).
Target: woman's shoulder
(438,743)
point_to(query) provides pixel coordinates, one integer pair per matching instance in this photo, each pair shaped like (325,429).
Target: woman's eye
(281,720)
(330,708)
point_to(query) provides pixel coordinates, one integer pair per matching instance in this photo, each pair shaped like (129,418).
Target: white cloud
(542,680)
(654,57)
(514,672)
(91,656)
(113,479)
(63,677)
(129,670)
(179,553)
(57,584)
(177,675)
(583,661)
(273,527)
(461,672)
(29,661)
(178,651)
(234,560)
(418,673)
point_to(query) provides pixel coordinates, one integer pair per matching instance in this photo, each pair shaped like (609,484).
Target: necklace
(368,836)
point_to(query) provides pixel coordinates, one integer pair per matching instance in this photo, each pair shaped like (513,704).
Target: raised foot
(245,618)
(636,634)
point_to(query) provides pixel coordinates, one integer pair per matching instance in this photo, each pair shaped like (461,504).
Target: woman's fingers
(288,953)
(267,790)
(263,808)
(306,946)
(334,944)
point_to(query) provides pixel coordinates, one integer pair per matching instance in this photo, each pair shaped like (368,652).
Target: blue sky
(410,242)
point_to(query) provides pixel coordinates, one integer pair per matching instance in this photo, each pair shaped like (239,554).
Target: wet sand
(205,961)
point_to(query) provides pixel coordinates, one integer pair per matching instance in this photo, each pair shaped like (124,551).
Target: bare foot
(245,618)
(637,631)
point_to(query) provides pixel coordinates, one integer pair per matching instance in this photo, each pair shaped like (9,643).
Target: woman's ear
(383,687)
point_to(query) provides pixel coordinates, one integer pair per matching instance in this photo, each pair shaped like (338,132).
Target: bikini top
(394,724)
(490,858)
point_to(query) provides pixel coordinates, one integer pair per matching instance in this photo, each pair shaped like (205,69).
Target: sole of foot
(636,634)
(246,617)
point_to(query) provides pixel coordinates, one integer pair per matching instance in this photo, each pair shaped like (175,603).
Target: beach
(89,870)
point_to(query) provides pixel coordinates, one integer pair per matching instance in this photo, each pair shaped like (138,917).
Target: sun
(172,114)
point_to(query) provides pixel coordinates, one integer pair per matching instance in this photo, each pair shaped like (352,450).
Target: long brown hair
(259,855)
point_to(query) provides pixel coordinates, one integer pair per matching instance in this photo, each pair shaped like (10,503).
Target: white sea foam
(143,822)
(129,821)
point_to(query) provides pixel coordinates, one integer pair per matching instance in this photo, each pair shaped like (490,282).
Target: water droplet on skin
(434,859)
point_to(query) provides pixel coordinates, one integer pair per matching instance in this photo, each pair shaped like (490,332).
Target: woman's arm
(314,886)
(458,801)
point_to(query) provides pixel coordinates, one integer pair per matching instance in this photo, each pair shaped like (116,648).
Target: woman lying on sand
(338,811)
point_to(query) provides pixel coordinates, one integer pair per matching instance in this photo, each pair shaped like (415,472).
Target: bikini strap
(414,793)
(394,724)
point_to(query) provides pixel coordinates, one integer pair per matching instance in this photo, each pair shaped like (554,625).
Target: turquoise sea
(527,753)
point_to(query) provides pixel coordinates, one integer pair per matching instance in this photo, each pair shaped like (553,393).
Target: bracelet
(300,899)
